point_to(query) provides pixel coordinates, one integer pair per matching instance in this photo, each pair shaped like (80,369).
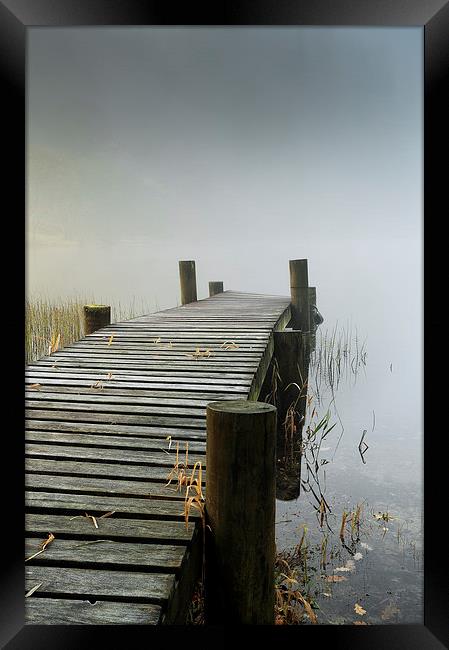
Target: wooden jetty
(103,420)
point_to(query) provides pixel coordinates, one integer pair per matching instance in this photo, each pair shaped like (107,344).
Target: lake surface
(380,566)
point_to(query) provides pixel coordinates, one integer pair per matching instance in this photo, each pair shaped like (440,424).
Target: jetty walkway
(104,419)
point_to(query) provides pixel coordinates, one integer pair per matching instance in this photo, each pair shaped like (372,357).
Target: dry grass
(53,324)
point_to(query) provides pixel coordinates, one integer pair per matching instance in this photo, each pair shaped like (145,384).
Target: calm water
(385,575)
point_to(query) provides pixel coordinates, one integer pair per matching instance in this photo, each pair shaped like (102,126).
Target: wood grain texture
(52,611)
(63,552)
(99,583)
(103,418)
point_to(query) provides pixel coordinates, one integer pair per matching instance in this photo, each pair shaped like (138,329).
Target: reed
(53,324)
(338,355)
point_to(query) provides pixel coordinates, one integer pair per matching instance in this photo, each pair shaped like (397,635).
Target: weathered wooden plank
(161,357)
(58,611)
(87,382)
(42,372)
(98,505)
(99,584)
(116,418)
(195,367)
(121,429)
(141,396)
(109,470)
(102,397)
(151,375)
(107,552)
(104,486)
(148,530)
(217,339)
(124,442)
(108,454)
(164,346)
(101,407)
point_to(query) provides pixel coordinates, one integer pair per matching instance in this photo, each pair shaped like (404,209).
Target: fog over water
(242,148)
(239,148)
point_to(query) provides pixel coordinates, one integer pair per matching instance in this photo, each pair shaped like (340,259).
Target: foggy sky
(240,148)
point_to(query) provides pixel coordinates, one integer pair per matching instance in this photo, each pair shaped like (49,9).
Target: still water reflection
(349,496)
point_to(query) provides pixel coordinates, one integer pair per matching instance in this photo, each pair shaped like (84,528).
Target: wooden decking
(101,415)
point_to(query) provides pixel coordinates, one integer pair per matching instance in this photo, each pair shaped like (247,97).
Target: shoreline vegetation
(51,324)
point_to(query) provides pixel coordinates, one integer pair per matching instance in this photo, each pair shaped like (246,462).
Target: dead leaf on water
(334,578)
(359,609)
(389,612)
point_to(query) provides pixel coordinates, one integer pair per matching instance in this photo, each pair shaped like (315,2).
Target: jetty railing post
(299,290)
(96,317)
(240,511)
(187,277)
(215,287)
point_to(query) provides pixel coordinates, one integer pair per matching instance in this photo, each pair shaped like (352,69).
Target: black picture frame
(16,16)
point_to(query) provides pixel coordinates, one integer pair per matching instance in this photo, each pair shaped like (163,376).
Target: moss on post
(96,317)
(215,287)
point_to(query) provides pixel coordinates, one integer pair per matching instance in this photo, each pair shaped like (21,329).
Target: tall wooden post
(187,276)
(215,287)
(299,290)
(96,317)
(240,510)
(290,352)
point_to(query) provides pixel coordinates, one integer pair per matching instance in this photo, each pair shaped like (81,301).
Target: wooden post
(187,276)
(215,287)
(299,290)
(240,510)
(290,353)
(96,317)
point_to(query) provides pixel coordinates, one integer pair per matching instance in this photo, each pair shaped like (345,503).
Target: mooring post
(187,276)
(96,317)
(240,511)
(299,290)
(215,287)
(289,354)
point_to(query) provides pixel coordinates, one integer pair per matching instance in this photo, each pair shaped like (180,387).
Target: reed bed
(53,324)
(338,354)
